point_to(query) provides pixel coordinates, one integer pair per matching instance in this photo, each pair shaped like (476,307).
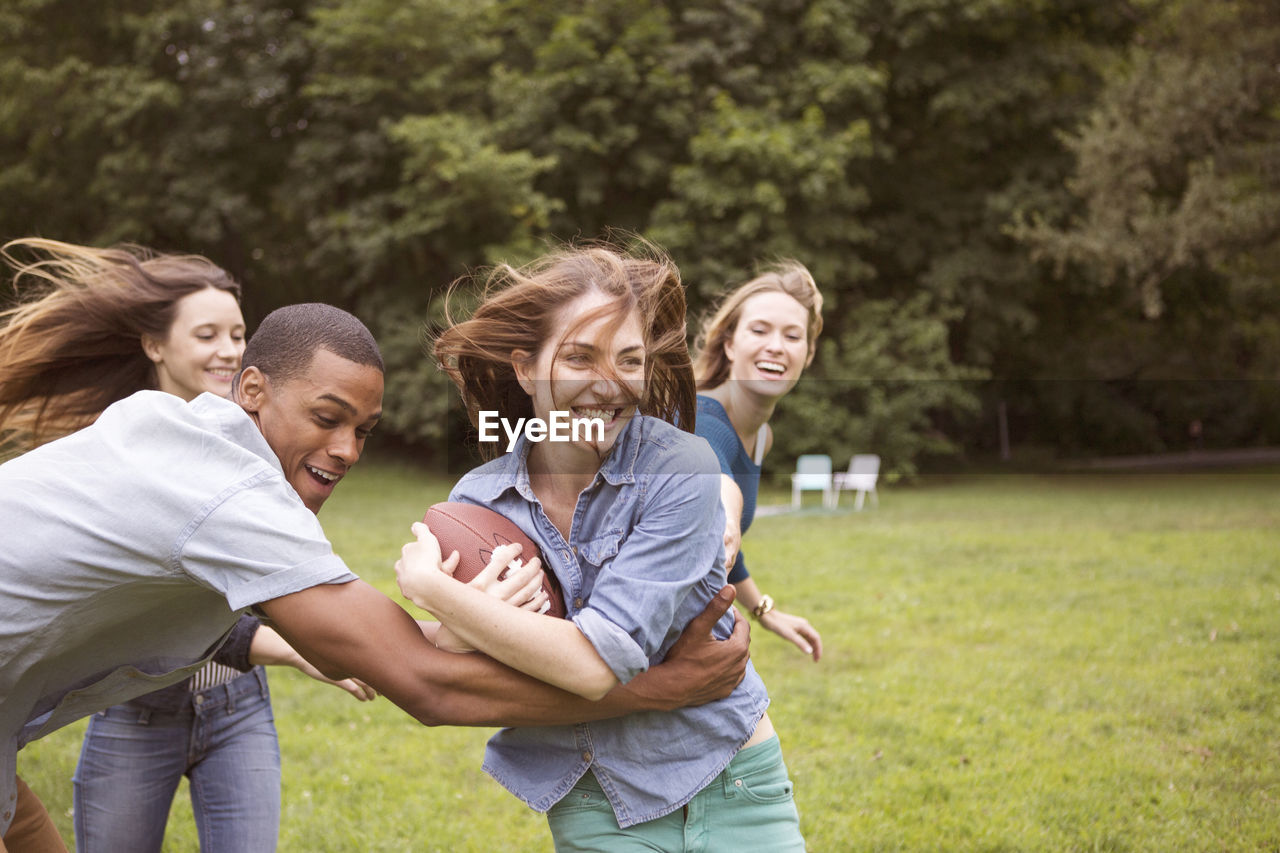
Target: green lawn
(1039,663)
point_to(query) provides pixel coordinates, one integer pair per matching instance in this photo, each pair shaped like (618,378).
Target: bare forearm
(551,650)
(731,497)
(268,648)
(698,669)
(748,593)
(483,692)
(354,630)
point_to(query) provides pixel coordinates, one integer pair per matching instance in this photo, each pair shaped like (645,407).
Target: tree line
(1062,212)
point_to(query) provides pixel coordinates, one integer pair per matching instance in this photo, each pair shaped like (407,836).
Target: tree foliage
(992,194)
(1175,165)
(1163,243)
(881,385)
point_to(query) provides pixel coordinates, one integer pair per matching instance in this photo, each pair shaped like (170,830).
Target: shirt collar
(511,469)
(619,466)
(235,424)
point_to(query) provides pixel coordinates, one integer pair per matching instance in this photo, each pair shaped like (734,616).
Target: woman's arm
(550,650)
(517,583)
(731,497)
(268,648)
(634,604)
(794,629)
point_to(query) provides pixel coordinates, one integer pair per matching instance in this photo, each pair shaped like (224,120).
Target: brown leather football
(474,531)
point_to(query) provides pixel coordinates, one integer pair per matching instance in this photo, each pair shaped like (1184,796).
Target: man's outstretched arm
(351,629)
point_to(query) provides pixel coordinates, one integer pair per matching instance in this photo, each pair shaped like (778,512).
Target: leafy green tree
(1175,165)
(77,112)
(403,183)
(402,179)
(727,133)
(932,161)
(1163,244)
(976,93)
(164,126)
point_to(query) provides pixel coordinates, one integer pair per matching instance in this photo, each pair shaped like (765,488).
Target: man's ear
(522,364)
(253,389)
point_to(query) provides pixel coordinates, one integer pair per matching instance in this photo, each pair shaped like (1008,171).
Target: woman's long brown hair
(71,345)
(520,310)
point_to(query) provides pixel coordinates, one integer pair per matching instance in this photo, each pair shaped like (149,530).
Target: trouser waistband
(252,682)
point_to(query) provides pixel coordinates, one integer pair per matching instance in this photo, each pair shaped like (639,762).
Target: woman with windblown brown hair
(629,519)
(91,327)
(83,331)
(751,352)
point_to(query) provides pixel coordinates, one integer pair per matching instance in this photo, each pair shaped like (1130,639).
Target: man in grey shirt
(129,549)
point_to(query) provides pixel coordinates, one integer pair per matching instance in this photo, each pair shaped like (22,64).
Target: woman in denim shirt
(630,521)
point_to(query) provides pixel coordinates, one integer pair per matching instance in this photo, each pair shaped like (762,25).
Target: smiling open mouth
(606,415)
(771,367)
(324,477)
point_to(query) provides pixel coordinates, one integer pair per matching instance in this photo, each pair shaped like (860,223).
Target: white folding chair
(813,474)
(864,470)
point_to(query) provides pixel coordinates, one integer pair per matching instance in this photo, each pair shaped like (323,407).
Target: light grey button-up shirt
(127,552)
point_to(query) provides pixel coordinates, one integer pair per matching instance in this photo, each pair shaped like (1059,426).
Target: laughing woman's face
(770,344)
(596,372)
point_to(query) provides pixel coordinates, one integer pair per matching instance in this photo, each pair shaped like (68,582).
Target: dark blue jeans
(224,741)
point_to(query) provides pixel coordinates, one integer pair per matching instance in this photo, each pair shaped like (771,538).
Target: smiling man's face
(316,422)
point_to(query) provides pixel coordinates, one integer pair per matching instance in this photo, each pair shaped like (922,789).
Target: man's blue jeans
(133,758)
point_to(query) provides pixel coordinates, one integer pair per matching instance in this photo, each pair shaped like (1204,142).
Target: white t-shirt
(129,549)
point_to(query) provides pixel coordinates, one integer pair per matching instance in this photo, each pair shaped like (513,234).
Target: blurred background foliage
(1064,210)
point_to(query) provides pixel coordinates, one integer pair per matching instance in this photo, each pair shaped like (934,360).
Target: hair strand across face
(520,311)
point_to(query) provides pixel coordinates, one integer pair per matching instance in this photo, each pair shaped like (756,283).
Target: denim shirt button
(586,756)
(577,604)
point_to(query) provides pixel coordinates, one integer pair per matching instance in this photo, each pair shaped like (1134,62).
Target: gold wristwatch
(763,607)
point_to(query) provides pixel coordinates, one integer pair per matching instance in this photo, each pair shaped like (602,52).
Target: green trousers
(750,806)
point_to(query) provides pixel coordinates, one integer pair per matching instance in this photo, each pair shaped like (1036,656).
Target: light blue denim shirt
(643,557)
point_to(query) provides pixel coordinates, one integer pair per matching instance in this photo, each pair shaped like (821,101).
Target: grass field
(1030,663)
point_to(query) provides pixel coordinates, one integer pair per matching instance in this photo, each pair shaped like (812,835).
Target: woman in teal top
(751,352)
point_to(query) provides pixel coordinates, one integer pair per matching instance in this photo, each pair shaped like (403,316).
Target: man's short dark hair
(288,338)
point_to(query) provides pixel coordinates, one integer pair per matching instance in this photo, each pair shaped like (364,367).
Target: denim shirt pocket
(593,557)
(601,549)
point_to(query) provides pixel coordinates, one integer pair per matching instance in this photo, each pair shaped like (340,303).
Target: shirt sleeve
(717,434)
(235,651)
(660,573)
(257,541)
